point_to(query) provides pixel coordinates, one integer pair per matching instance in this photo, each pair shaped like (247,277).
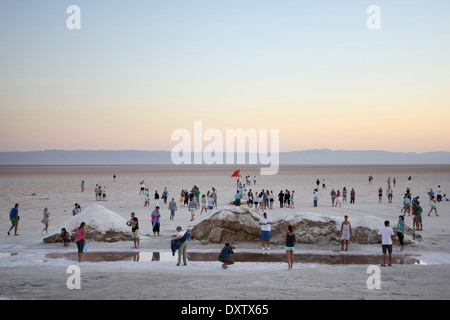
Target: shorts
(135,234)
(172,212)
(289,248)
(386,247)
(14,222)
(265,235)
(419,218)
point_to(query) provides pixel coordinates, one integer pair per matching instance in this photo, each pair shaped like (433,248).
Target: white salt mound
(98,217)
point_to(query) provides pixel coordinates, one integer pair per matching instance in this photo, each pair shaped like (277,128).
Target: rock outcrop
(241,224)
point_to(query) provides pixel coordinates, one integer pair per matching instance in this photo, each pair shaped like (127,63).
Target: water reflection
(313,258)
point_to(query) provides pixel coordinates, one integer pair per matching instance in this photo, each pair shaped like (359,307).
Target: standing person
(146,198)
(280,198)
(272,199)
(142,187)
(338,199)
(210,202)
(172,208)
(265,223)
(417,212)
(333,197)
(289,240)
(156,221)
(204,204)
(104,193)
(395,181)
(352,195)
(192,209)
(323,185)
(433,206)
(134,224)
(346,231)
(156,198)
(82,186)
(114,177)
(214,195)
(401,231)
(316,197)
(406,206)
(45,220)
(389,194)
(14,217)
(380,195)
(237,198)
(96,192)
(387,235)
(182,249)
(344,195)
(100,191)
(81,240)
(165,195)
(292,200)
(224,255)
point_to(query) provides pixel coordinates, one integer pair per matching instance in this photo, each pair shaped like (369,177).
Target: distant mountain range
(137,157)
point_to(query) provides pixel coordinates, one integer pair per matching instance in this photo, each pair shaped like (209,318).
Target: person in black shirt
(134,224)
(224,255)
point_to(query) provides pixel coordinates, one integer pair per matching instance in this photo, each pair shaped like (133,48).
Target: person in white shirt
(265,223)
(387,235)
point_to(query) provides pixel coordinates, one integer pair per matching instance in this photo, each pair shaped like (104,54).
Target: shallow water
(328,259)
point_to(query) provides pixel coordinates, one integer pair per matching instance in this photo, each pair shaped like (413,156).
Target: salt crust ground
(26,276)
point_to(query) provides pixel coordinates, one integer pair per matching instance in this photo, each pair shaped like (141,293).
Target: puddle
(329,259)
(8,254)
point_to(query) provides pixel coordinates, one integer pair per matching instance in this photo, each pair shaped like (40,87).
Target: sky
(136,71)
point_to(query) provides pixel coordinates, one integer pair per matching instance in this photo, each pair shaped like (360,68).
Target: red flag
(236,173)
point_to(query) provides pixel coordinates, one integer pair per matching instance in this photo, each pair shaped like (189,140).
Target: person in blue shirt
(210,202)
(224,255)
(237,198)
(14,217)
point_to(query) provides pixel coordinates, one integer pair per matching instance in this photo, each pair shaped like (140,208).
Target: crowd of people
(194,200)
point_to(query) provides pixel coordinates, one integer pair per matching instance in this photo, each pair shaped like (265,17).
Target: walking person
(192,209)
(81,240)
(380,195)
(134,224)
(289,240)
(346,231)
(172,208)
(45,220)
(433,206)
(387,235)
(14,217)
(224,255)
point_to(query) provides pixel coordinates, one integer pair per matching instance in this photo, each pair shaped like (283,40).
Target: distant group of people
(100,193)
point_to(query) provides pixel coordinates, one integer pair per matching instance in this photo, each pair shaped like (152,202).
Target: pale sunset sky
(138,70)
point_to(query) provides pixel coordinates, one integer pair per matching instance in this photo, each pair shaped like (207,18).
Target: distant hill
(137,157)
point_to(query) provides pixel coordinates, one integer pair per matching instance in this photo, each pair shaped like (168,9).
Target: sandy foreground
(27,272)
